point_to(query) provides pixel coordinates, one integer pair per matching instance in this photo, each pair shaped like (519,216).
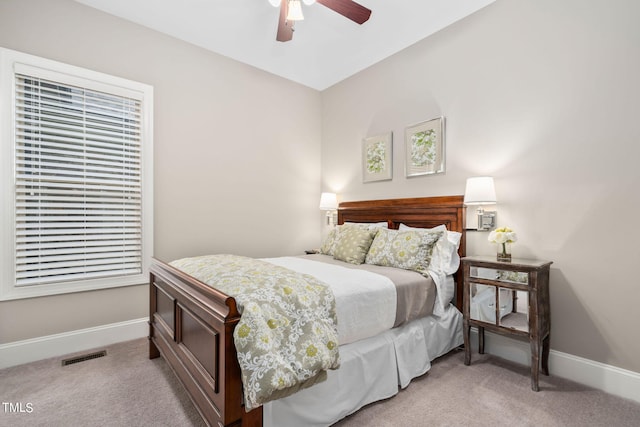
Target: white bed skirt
(370,370)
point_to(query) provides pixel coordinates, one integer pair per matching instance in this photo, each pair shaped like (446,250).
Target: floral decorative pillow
(445,253)
(353,244)
(333,237)
(409,250)
(328,245)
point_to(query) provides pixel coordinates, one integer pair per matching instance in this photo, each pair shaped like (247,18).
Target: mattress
(372,369)
(370,299)
(377,366)
(415,293)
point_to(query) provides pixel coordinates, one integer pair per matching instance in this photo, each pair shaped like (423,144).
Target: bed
(191,326)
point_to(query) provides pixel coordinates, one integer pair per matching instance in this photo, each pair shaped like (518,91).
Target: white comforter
(365,301)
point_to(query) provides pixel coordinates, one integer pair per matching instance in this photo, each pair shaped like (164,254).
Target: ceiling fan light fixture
(274,3)
(295,11)
(291,11)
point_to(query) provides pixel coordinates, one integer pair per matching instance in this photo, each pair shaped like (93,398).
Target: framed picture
(424,148)
(377,157)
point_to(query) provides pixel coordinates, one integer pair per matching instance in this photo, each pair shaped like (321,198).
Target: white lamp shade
(480,191)
(274,3)
(308,2)
(328,201)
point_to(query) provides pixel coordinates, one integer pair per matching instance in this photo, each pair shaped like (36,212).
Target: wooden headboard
(425,212)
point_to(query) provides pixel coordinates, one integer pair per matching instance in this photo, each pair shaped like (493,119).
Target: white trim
(19,352)
(610,379)
(12,61)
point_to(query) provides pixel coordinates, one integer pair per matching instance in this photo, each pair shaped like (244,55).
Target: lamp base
(486,220)
(332,218)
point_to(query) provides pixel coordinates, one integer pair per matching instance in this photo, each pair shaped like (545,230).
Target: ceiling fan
(291,11)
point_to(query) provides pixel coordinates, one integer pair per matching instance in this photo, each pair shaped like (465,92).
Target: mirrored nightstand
(512,299)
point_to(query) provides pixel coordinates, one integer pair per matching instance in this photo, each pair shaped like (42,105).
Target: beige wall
(542,95)
(236,152)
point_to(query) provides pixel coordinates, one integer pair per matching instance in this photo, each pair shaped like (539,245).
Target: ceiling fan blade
(349,9)
(285,29)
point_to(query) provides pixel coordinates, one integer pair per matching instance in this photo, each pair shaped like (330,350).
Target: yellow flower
(312,350)
(244,331)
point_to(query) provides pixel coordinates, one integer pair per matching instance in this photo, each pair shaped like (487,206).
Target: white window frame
(10,62)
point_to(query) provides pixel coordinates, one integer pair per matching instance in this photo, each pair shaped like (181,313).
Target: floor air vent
(84,357)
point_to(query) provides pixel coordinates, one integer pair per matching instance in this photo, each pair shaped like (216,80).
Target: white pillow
(445,253)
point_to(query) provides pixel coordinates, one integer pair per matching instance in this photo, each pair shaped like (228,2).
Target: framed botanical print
(424,148)
(377,157)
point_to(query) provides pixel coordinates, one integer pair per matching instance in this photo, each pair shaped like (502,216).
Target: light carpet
(125,388)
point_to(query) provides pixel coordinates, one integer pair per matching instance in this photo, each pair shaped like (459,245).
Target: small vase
(504,252)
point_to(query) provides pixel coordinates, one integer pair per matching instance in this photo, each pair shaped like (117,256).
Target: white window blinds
(78,190)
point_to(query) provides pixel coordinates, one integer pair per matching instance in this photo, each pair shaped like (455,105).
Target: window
(77,169)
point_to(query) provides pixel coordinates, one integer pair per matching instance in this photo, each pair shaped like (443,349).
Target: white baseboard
(610,379)
(19,352)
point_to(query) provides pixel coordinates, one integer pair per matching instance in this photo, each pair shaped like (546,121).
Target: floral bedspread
(287,335)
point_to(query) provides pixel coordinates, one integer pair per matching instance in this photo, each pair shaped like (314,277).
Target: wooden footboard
(191,325)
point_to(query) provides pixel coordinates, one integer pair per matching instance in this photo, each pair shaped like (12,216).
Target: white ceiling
(326,47)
